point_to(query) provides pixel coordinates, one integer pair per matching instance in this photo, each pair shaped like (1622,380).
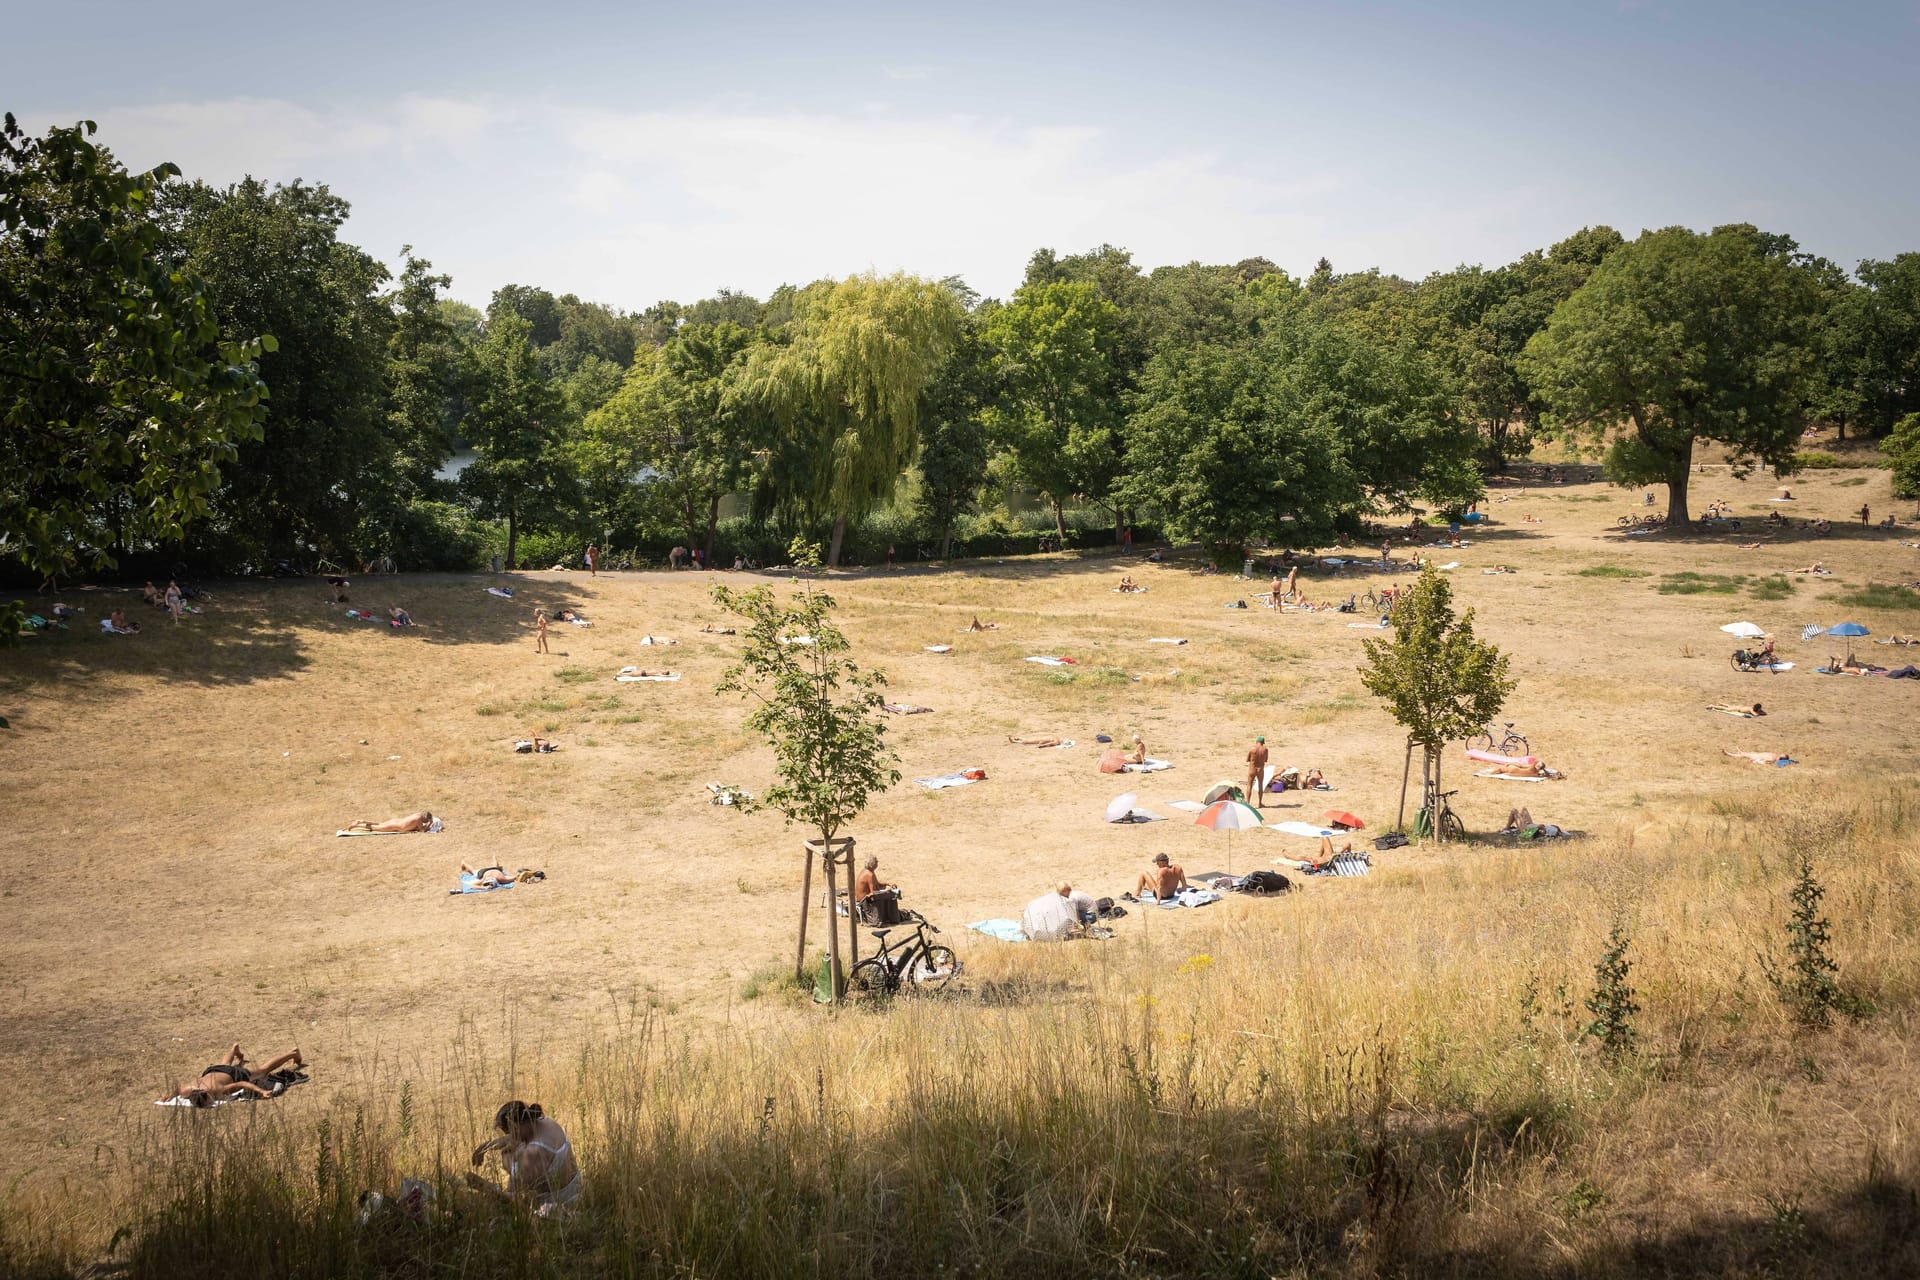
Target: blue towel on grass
(1005,930)
(471,884)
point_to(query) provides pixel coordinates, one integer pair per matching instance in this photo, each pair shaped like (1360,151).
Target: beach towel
(1494,757)
(945,780)
(1061,745)
(1129,591)
(1302,829)
(502,592)
(800,640)
(939,648)
(653,640)
(1001,928)
(473,884)
(1047,660)
(1189,897)
(1368,626)
(1146,766)
(1451,564)
(1165,640)
(1508,777)
(628,677)
(578,622)
(905,709)
(1187,806)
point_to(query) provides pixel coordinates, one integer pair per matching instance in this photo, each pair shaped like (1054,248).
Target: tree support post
(1399,822)
(834,853)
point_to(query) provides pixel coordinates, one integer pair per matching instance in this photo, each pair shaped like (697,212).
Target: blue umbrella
(1849,630)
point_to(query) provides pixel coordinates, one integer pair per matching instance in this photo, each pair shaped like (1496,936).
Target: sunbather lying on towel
(712,630)
(1759,757)
(1037,740)
(1731,709)
(1815,567)
(573,616)
(234,1079)
(1536,769)
(535,744)
(494,876)
(422,821)
(1162,880)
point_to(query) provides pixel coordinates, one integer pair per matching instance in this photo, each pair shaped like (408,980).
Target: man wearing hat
(1257,771)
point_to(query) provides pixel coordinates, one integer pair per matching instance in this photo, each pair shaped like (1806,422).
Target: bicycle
(1448,824)
(1507,743)
(916,962)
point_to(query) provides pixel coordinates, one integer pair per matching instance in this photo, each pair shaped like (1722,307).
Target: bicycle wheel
(1514,740)
(871,977)
(1482,741)
(1451,827)
(933,969)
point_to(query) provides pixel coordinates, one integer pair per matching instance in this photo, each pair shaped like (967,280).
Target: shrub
(1808,983)
(1611,1002)
(433,537)
(1817,460)
(1611,571)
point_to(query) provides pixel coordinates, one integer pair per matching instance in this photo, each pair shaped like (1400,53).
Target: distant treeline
(210,375)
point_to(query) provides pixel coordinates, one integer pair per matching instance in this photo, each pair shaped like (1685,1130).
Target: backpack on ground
(1264,882)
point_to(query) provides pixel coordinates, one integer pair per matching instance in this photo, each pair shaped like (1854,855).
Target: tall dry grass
(1390,1082)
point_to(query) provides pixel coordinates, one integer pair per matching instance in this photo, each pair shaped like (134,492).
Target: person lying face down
(233,1079)
(421,821)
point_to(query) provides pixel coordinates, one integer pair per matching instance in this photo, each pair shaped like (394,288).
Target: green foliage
(1902,447)
(1612,571)
(273,258)
(1881,595)
(516,426)
(845,390)
(1688,583)
(1775,586)
(1679,337)
(1818,460)
(426,536)
(953,432)
(1808,983)
(817,708)
(1611,1002)
(1437,678)
(122,409)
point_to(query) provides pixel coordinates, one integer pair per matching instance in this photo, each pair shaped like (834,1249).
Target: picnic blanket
(946,780)
(1187,806)
(502,592)
(286,1078)
(1295,828)
(1166,640)
(1148,765)
(1381,625)
(939,648)
(473,884)
(1048,660)
(1188,897)
(1001,928)
(653,640)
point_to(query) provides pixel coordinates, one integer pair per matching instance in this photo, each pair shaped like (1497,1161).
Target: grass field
(1374,1075)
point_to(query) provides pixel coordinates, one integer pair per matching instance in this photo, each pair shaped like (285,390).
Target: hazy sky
(631,152)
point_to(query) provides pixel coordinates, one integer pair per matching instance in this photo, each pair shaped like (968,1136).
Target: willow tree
(847,383)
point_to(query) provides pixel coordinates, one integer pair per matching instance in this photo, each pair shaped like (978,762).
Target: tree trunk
(946,540)
(1678,476)
(692,524)
(1059,522)
(713,524)
(833,547)
(513,538)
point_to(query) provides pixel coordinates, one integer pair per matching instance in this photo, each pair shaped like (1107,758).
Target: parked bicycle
(1437,816)
(1510,743)
(912,964)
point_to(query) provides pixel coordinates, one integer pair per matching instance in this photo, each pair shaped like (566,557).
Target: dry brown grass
(175,885)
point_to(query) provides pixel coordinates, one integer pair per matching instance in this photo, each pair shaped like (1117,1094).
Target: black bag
(882,909)
(1264,882)
(1391,840)
(1108,909)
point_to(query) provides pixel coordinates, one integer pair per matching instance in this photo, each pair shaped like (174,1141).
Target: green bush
(1902,447)
(432,537)
(1818,460)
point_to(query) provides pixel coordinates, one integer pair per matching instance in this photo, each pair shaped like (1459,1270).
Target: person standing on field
(540,631)
(593,561)
(1257,771)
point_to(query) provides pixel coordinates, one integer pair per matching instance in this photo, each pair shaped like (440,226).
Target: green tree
(1675,338)
(1884,350)
(275,262)
(426,363)
(120,406)
(953,431)
(516,426)
(1438,679)
(1902,446)
(845,388)
(1292,437)
(821,713)
(1059,423)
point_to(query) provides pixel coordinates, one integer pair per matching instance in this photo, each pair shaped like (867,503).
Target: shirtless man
(1139,753)
(1292,575)
(868,882)
(1257,771)
(1162,881)
(412,822)
(233,1079)
(540,631)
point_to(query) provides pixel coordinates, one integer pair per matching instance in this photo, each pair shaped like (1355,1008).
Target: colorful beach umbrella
(1228,816)
(1341,818)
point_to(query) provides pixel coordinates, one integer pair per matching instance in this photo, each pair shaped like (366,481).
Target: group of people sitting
(1127,584)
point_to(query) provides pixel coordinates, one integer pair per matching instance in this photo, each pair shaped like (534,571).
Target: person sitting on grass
(398,616)
(117,623)
(1127,583)
(234,1079)
(868,882)
(977,625)
(1162,881)
(422,821)
(1139,753)
(536,1156)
